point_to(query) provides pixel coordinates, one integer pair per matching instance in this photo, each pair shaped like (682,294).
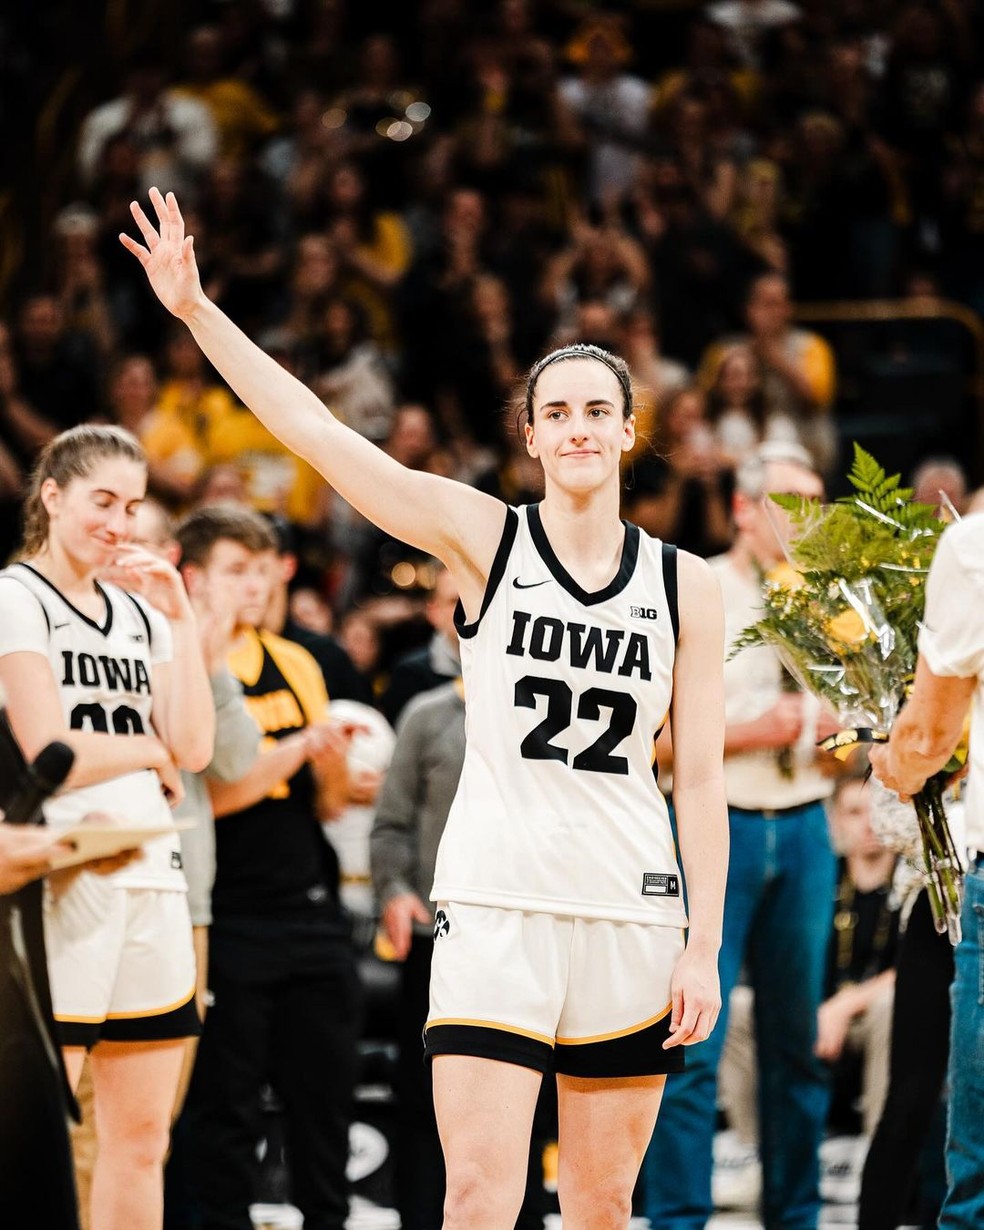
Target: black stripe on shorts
(487,1042)
(636,1054)
(180,1022)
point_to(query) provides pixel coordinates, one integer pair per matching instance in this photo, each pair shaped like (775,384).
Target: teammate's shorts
(581,996)
(121,963)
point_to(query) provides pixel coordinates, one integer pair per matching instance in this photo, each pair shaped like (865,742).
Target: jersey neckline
(104,628)
(630,553)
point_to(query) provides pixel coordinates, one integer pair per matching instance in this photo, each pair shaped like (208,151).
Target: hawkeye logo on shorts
(176,863)
(656,885)
(442,924)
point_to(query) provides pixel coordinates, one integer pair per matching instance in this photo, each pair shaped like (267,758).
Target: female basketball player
(558,935)
(117,674)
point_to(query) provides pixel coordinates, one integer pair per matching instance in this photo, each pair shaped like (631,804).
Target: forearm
(273,766)
(99,757)
(281,402)
(188,723)
(702,825)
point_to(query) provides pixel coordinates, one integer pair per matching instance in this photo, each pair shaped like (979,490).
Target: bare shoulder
(701,606)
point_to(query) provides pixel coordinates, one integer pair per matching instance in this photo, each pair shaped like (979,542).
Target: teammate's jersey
(103,673)
(557,809)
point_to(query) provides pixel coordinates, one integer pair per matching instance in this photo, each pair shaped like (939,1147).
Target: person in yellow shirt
(799,375)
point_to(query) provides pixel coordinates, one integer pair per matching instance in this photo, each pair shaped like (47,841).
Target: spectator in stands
(312,281)
(78,278)
(747,22)
(192,412)
(243,118)
(656,378)
(348,370)
(57,366)
(680,492)
(432,664)
(797,367)
(173,137)
(611,105)
(600,262)
(737,410)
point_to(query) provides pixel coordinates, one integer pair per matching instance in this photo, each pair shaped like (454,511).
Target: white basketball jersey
(557,809)
(103,672)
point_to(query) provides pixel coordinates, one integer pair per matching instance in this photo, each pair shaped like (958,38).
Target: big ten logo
(643,612)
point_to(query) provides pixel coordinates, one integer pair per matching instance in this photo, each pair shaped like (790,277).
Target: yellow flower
(785,576)
(847,630)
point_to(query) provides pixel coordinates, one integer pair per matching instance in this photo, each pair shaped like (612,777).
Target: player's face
(234,582)
(578,431)
(93,515)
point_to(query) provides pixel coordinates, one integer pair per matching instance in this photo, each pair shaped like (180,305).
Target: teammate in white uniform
(114,674)
(558,883)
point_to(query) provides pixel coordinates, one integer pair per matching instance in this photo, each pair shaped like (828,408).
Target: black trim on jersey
(630,553)
(466,629)
(636,1054)
(138,607)
(180,1022)
(71,605)
(670,586)
(487,1042)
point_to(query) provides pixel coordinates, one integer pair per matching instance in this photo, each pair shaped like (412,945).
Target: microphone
(38,781)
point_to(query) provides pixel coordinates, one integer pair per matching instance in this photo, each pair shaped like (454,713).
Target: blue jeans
(964,1204)
(777,920)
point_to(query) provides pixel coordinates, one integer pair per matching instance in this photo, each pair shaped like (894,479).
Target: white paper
(104,840)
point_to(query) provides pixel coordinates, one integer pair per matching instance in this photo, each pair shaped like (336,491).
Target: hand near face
(142,572)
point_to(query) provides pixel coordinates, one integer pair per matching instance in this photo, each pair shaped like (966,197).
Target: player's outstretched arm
(697,716)
(447,519)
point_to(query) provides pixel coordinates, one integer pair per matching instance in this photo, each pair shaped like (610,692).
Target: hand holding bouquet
(843,616)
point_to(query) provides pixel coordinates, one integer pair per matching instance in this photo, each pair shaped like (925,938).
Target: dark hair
(581,350)
(72,454)
(202,529)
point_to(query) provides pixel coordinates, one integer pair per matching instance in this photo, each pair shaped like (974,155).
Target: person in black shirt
(342,679)
(285,999)
(432,664)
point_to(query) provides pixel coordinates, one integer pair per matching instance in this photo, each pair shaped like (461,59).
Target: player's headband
(581,350)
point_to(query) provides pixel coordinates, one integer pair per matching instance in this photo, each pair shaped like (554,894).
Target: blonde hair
(71,455)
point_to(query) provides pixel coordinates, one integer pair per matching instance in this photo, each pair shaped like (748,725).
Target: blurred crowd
(407,215)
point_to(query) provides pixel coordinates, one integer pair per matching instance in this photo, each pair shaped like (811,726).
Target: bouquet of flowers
(843,615)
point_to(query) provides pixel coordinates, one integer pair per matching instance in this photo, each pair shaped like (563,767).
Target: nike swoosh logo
(57,626)
(518,584)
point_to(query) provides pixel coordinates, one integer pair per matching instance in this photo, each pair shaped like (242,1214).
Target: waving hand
(169,257)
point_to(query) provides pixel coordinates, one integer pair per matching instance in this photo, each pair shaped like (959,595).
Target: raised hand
(169,257)
(141,572)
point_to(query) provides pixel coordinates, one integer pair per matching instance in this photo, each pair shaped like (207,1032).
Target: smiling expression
(578,432)
(93,515)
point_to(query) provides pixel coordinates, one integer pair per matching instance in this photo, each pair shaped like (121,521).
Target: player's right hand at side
(169,256)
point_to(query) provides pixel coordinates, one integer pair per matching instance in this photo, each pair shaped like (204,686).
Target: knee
(595,1202)
(475,1196)
(140,1145)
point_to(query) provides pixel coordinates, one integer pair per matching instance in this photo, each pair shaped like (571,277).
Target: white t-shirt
(104,677)
(752,685)
(952,641)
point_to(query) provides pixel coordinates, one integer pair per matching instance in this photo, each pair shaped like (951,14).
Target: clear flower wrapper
(842,614)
